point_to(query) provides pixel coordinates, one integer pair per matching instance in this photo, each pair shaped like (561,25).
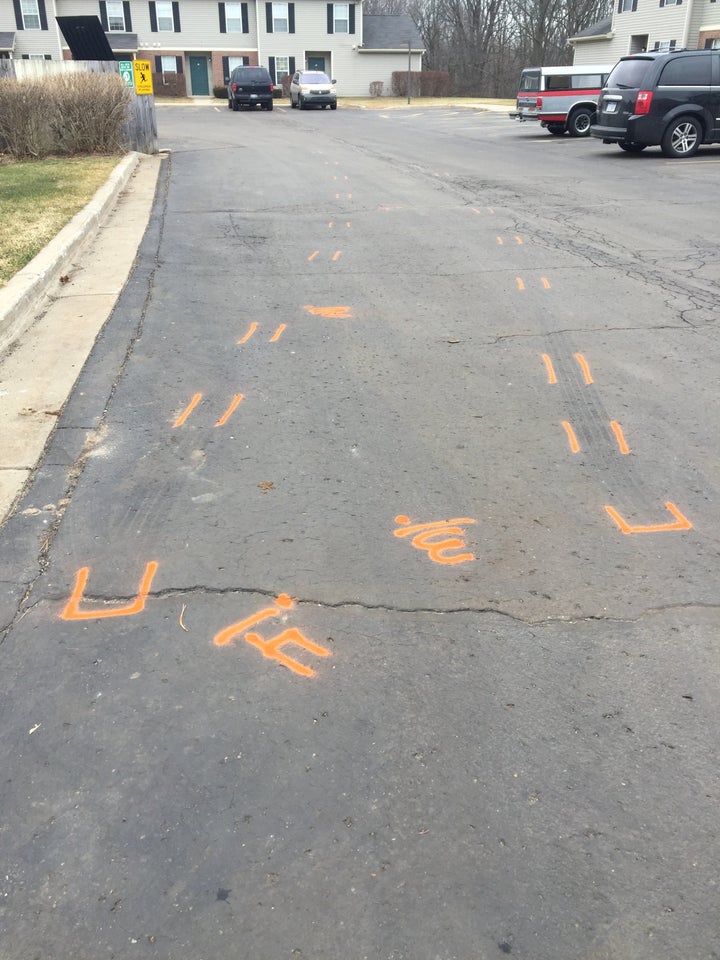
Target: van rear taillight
(644,99)
(234,86)
(272,87)
(538,103)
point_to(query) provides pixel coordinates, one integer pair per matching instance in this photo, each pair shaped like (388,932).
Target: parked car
(666,99)
(561,98)
(250,86)
(310,88)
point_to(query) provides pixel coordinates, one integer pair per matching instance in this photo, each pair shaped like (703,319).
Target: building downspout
(686,27)
(257,25)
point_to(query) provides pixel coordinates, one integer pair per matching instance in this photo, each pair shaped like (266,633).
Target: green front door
(316,63)
(199,83)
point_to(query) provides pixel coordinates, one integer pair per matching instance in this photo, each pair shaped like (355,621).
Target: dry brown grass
(37,199)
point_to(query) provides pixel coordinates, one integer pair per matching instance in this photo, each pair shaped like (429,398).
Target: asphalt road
(378,616)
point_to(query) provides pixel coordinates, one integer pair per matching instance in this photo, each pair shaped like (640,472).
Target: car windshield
(315,78)
(629,74)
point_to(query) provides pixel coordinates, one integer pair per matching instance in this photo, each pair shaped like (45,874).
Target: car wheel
(556,129)
(632,147)
(269,105)
(301,102)
(235,105)
(229,104)
(580,122)
(333,106)
(682,138)
(292,102)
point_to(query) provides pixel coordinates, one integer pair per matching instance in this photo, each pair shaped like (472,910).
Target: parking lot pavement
(53,310)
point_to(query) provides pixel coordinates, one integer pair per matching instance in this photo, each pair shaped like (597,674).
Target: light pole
(409,68)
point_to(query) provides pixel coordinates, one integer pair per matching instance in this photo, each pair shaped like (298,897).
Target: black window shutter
(221,15)
(244,12)
(271,68)
(43,15)
(226,68)
(103,15)
(291,18)
(25,56)
(708,44)
(351,28)
(330,19)
(153,16)
(48,56)
(126,15)
(246,61)
(176,16)
(18,15)
(179,64)
(634,6)
(657,45)
(158,64)
(620,3)
(292,65)
(268,18)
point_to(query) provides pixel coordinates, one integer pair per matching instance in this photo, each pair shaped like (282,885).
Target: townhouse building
(193,45)
(639,25)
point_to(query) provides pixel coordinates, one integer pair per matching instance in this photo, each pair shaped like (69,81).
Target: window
(233,18)
(168,64)
(233,62)
(627,6)
(280,18)
(164,15)
(665,46)
(670,3)
(30,14)
(713,44)
(686,72)
(115,15)
(341,17)
(282,68)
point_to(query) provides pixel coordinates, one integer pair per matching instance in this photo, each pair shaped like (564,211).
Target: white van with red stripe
(563,99)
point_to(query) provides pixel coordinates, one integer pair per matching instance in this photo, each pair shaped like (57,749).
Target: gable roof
(390,33)
(603,28)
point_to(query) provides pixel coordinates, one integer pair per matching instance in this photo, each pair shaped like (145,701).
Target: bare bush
(376,88)
(24,124)
(89,112)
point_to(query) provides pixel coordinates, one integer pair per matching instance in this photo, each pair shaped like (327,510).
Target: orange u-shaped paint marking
(221,639)
(72,609)
(188,410)
(550,369)
(681,522)
(585,367)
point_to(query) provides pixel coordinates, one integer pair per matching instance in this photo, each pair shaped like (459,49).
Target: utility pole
(409,68)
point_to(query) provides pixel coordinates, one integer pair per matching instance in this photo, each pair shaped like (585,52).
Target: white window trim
(161,4)
(230,4)
(279,18)
(117,16)
(34,15)
(345,21)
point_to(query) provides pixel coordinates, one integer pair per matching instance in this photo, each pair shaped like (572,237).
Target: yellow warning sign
(143,76)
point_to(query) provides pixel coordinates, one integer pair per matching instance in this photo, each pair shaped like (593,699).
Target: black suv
(250,86)
(671,99)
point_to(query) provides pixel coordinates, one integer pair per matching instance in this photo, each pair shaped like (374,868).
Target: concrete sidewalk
(52,311)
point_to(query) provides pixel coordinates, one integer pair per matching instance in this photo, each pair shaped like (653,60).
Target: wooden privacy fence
(141,127)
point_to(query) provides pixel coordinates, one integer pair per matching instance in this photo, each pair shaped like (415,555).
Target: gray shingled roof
(122,41)
(390,33)
(599,29)
(7,41)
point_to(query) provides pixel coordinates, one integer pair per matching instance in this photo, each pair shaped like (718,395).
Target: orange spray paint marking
(72,609)
(549,367)
(520,284)
(585,367)
(490,210)
(272,648)
(336,255)
(313,255)
(574,445)
(475,210)
(332,313)
(278,333)
(424,537)
(230,410)
(619,436)
(348,224)
(251,330)
(681,522)
(545,282)
(499,240)
(188,410)
(518,240)
(330,225)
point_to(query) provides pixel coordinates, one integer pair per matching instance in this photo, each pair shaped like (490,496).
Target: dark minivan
(666,99)
(250,86)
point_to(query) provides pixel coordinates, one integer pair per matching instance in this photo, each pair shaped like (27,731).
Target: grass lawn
(37,199)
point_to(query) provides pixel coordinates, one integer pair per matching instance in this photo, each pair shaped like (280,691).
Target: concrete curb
(22,293)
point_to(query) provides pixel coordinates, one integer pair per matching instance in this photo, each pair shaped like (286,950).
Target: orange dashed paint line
(518,240)
(253,327)
(620,437)
(490,210)
(72,609)
(348,224)
(520,284)
(229,412)
(499,240)
(585,367)
(545,282)
(572,439)
(313,255)
(475,210)
(278,333)
(681,522)
(331,313)
(550,369)
(336,255)
(330,225)
(188,410)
